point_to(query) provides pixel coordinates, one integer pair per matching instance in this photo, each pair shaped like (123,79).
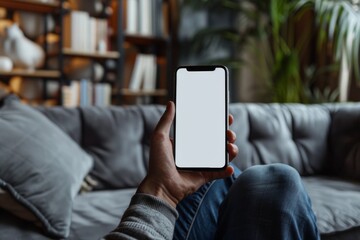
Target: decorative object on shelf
(5,64)
(23,52)
(33,24)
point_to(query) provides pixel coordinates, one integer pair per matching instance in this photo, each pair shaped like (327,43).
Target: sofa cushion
(40,166)
(336,203)
(118,139)
(67,119)
(97,213)
(293,134)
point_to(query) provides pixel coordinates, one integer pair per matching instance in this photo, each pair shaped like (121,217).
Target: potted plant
(266,31)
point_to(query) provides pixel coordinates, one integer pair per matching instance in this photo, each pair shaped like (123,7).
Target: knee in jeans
(272,173)
(284,173)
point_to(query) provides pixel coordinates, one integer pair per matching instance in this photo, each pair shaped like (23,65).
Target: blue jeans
(263,202)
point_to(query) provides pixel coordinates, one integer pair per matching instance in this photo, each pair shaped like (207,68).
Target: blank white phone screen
(201,118)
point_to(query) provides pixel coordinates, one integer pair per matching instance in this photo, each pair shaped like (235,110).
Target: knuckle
(159,136)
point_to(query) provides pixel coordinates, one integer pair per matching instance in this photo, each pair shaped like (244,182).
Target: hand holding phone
(163,179)
(201,93)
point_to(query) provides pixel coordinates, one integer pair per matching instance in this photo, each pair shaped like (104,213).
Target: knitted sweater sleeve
(147,217)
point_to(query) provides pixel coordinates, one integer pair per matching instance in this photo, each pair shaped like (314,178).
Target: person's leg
(267,202)
(198,213)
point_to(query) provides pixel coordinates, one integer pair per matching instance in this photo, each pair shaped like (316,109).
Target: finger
(233,150)
(231,136)
(167,118)
(231,119)
(172,141)
(227,172)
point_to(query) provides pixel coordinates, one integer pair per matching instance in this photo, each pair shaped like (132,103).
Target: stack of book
(144,73)
(146,17)
(85,33)
(86,93)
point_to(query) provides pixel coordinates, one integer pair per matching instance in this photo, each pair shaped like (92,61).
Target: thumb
(167,118)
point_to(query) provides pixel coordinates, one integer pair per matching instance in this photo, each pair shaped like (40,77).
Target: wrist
(158,190)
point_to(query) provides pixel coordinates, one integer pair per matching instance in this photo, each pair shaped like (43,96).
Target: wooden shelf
(146,40)
(142,93)
(31,73)
(33,5)
(95,55)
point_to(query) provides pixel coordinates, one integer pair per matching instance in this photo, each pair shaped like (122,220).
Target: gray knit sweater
(147,217)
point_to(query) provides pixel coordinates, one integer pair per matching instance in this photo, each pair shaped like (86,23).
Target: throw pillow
(40,166)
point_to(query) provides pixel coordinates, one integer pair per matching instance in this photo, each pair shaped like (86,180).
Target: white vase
(23,52)
(5,64)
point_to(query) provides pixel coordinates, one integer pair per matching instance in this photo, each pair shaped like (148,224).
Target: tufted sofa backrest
(314,139)
(118,139)
(294,134)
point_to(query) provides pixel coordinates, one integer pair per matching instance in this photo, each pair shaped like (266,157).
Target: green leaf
(333,21)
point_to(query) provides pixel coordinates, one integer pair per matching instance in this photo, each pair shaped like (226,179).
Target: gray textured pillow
(40,166)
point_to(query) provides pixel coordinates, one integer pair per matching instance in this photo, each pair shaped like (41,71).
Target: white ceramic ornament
(23,52)
(5,64)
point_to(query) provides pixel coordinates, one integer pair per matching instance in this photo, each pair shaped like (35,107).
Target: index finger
(231,119)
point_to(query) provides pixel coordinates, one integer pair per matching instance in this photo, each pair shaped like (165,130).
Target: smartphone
(201,118)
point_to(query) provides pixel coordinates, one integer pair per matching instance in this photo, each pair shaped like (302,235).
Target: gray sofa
(321,141)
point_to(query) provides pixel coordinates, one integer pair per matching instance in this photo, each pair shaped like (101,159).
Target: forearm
(147,217)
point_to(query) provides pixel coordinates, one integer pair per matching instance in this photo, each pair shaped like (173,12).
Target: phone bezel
(206,68)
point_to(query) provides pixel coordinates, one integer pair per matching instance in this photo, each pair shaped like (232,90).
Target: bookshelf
(59,9)
(159,42)
(30,5)
(162,47)
(51,74)
(94,55)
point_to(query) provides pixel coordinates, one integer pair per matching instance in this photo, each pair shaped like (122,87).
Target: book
(92,34)
(150,73)
(72,31)
(85,33)
(144,73)
(145,17)
(132,16)
(138,72)
(85,93)
(102,94)
(70,94)
(157,17)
